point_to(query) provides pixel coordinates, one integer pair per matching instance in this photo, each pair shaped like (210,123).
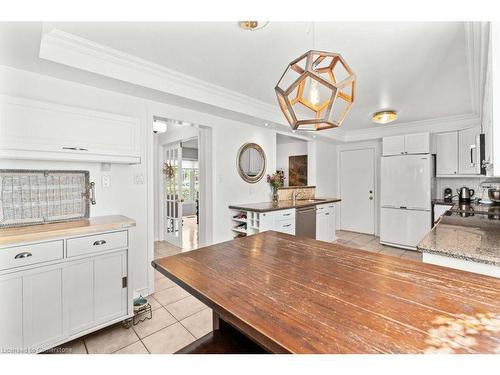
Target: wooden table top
(297,295)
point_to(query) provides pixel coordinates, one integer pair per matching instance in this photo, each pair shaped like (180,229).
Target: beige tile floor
(179,318)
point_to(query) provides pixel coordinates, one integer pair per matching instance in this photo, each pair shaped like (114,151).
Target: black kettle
(465,194)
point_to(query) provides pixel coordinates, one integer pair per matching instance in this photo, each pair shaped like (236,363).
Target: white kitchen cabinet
(11,313)
(59,298)
(110,291)
(31,129)
(447,154)
(325,223)
(468,151)
(418,143)
(42,307)
(458,153)
(394,145)
(94,291)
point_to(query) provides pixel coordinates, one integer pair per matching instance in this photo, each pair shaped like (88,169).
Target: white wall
(326,170)
(284,150)
(123,196)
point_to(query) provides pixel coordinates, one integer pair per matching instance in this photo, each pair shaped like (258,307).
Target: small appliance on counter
(465,194)
(448,195)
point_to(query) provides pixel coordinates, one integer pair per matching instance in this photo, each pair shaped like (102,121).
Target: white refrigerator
(405,199)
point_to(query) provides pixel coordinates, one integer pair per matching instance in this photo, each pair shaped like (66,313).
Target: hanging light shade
(316,91)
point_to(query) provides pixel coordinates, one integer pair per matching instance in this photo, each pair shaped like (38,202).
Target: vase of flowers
(276,181)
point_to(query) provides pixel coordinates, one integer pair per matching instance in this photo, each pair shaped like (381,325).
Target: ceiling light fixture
(159,126)
(316,91)
(252,25)
(384,117)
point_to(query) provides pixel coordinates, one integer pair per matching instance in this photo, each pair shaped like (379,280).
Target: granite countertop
(282,205)
(40,232)
(474,238)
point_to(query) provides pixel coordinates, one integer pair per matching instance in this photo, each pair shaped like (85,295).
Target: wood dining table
(277,293)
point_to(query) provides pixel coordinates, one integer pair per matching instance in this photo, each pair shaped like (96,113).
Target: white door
(357,208)
(172,209)
(447,153)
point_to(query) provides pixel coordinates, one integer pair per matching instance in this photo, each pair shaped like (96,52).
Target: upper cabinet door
(447,153)
(47,131)
(417,143)
(394,145)
(468,162)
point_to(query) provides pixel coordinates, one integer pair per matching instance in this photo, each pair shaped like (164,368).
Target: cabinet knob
(23,255)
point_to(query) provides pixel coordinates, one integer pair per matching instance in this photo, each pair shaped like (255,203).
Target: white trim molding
(476,48)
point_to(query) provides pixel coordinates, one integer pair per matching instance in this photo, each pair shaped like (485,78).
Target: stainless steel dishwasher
(305,222)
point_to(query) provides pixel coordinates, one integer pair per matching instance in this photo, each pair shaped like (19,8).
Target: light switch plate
(106,181)
(138,179)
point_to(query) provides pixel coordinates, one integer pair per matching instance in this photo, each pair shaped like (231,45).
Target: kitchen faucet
(295,194)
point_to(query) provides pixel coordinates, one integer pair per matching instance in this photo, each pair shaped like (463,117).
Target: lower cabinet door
(321,227)
(42,307)
(110,286)
(331,237)
(94,291)
(11,314)
(78,282)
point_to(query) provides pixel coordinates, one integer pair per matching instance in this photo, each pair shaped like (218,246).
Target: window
(189,181)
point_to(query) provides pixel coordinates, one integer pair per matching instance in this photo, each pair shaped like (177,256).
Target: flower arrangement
(276,180)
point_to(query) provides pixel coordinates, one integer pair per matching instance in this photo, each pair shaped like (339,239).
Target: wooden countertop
(41,232)
(298,295)
(283,205)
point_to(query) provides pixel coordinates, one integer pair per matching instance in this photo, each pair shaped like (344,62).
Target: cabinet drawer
(96,243)
(26,255)
(285,226)
(284,215)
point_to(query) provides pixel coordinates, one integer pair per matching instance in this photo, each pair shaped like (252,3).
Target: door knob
(370,197)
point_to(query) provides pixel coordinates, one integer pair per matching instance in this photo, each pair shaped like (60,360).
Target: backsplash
(303,193)
(457,183)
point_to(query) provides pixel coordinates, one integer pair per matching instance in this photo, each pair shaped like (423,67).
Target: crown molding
(435,125)
(68,49)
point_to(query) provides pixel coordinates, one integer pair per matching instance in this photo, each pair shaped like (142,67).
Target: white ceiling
(419,69)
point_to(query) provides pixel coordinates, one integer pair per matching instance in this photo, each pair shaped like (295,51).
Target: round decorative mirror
(251,162)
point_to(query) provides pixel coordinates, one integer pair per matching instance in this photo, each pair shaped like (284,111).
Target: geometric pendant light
(316,91)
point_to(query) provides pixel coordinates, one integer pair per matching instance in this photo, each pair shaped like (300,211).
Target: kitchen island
(465,240)
(287,294)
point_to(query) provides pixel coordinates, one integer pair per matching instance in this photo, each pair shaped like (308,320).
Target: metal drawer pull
(100,242)
(288,225)
(26,254)
(286,214)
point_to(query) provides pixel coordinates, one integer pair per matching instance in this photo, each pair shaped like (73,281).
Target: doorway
(182,208)
(357,189)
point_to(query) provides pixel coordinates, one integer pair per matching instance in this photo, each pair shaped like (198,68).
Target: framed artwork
(297,170)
